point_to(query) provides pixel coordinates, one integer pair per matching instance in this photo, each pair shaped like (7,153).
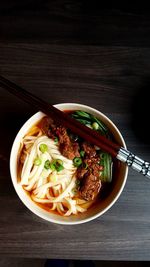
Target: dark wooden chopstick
(76,127)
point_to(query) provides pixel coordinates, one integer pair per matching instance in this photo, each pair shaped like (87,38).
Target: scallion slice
(47,165)
(56,140)
(77,161)
(82,153)
(37,161)
(57,165)
(43,148)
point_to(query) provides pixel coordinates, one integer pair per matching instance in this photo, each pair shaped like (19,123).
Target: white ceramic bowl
(95,211)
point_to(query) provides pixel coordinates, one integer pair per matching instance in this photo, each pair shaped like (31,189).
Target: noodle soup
(60,176)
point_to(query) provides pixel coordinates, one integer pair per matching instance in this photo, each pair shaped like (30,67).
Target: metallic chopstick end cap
(135,162)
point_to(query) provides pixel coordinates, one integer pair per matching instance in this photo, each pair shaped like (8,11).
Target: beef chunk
(67,151)
(90,188)
(63,136)
(67,148)
(52,130)
(76,148)
(89,149)
(48,127)
(91,183)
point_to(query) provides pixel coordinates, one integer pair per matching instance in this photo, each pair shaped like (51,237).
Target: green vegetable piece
(57,165)
(77,162)
(59,168)
(85,165)
(52,166)
(43,148)
(47,165)
(95,126)
(56,140)
(59,161)
(82,153)
(82,114)
(90,120)
(102,126)
(37,161)
(106,162)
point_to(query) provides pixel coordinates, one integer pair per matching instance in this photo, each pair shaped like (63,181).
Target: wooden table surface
(77,51)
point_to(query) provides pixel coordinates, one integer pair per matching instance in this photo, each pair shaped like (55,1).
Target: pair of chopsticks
(76,127)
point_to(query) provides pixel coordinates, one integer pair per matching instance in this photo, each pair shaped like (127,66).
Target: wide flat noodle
(49,187)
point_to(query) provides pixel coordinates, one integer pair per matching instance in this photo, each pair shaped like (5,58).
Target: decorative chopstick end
(133,161)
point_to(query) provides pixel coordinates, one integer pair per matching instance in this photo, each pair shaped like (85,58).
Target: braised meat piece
(67,148)
(52,130)
(76,149)
(88,173)
(48,127)
(63,136)
(90,188)
(91,183)
(67,151)
(89,149)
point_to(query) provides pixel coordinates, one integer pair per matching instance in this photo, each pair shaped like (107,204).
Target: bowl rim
(12,167)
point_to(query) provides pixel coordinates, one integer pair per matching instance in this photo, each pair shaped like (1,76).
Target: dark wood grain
(75,22)
(77,51)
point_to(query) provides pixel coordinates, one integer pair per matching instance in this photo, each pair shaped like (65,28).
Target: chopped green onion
(95,126)
(52,166)
(37,161)
(85,165)
(57,165)
(102,127)
(82,153)
(59,168)
(56,140)
(43,148)
(59,161)
(77,162)
(47,165)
